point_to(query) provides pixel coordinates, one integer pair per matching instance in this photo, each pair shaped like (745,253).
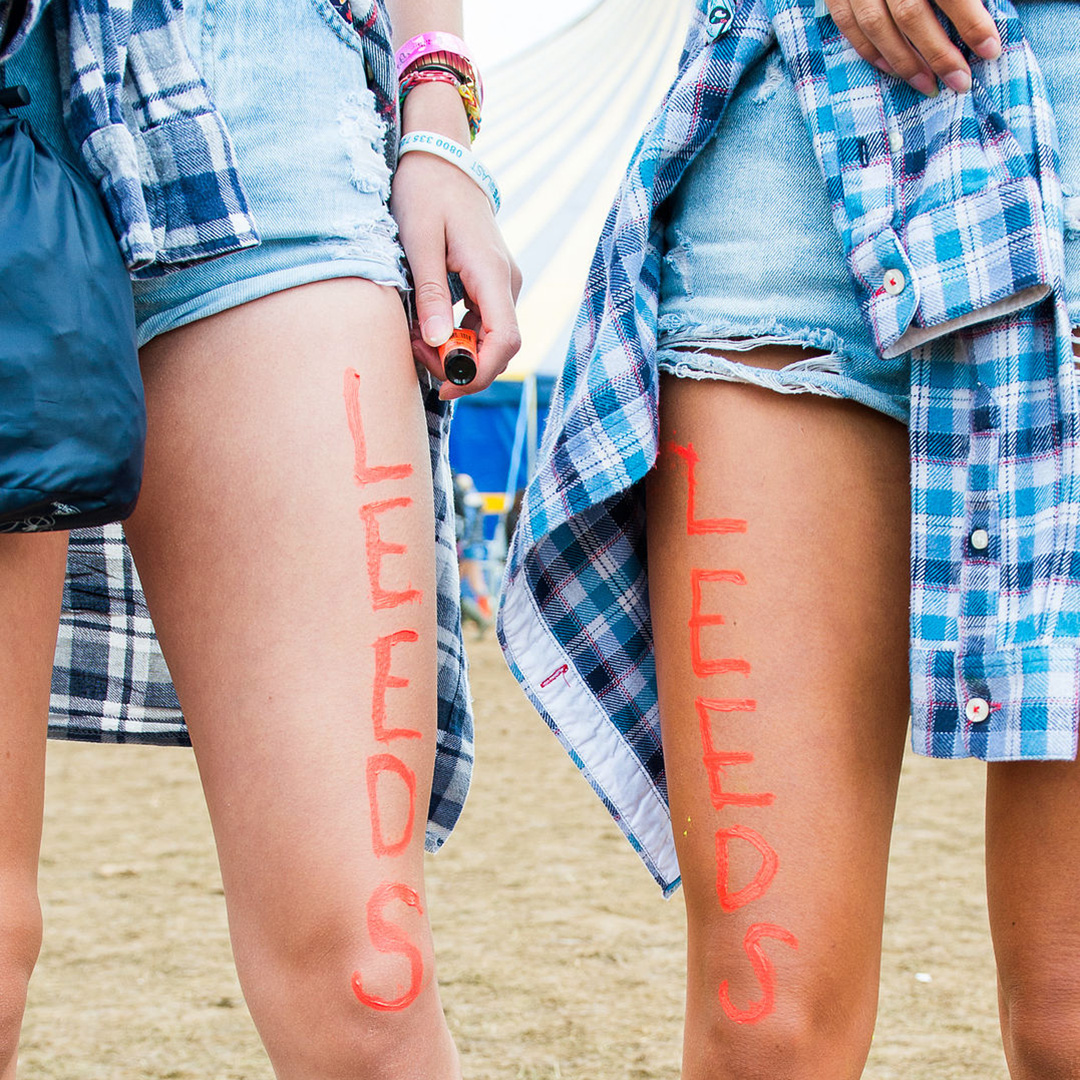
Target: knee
(331,998)
(20,943)
(811,1039)
(1041,1031)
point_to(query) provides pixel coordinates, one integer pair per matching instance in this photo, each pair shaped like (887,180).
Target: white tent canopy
(561,122)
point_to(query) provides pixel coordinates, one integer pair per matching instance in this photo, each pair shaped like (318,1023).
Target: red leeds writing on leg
(763,969)
(694,525)
(384,681)
(364,473)
(388,938)
(378,549)
(770,863)
(383,763)
(717,666)
(717,761)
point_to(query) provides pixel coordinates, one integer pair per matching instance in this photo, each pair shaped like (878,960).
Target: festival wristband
(430,143)
(426,44)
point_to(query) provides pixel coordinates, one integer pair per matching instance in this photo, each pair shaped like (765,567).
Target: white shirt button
(977,710)
(980,539)
(720,18)
(894,282)
(896,140)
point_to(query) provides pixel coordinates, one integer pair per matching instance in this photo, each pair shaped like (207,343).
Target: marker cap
(459,357)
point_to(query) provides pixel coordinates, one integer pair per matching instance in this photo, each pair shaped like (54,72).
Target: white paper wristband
(430,143)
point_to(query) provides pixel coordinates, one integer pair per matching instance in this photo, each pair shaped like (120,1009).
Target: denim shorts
(753,257)
(288,77)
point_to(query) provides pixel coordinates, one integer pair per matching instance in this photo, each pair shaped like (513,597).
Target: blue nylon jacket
(959,193)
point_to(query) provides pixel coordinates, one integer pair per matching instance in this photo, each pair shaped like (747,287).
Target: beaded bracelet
(429,142)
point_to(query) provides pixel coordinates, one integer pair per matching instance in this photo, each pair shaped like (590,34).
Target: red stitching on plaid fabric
(561,670)
(370,21)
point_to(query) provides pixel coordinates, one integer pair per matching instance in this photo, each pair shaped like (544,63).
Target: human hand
(446,224)
(904,38)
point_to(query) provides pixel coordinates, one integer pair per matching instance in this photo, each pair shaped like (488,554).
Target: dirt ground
(558,958)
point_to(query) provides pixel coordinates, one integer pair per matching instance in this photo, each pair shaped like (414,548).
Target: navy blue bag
(72,415)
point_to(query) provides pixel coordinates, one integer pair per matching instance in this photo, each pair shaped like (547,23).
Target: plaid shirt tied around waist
(958,193)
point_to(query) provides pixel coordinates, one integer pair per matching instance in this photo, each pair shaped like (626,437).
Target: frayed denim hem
(694,354)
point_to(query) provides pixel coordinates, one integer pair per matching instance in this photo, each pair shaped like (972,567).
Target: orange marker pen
(459,357)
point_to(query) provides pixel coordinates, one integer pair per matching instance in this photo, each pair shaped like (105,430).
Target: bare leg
(32,571)
(276,587)
(783,719)
(1033,887)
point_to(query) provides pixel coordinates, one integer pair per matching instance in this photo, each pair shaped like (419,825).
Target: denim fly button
(719,19)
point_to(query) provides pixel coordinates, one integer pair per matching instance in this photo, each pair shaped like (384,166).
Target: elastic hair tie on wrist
(429,142)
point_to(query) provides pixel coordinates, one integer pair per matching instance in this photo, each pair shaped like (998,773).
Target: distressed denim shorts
(753,257)
(288,78)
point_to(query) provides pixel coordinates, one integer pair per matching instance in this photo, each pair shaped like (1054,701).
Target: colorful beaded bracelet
(448,55)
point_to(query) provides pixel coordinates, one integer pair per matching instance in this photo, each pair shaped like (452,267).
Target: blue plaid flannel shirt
(110,681)
(961,194)
(149,134)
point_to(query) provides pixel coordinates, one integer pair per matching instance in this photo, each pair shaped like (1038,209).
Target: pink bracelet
(426,44)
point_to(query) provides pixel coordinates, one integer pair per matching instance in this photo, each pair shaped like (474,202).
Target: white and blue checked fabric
(111,684)
(141,116)
(960,193)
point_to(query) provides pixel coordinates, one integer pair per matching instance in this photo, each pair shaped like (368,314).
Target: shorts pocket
(331,12)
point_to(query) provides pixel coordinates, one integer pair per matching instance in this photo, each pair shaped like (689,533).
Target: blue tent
(495,434)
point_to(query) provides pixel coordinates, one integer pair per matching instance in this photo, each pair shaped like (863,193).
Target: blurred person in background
(472,553)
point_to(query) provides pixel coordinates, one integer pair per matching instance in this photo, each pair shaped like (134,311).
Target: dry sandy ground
(559,959)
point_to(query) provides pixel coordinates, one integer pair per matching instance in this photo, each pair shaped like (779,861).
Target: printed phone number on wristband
(430,142)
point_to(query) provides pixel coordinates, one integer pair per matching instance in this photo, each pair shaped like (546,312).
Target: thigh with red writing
(285,537)
(778,578)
